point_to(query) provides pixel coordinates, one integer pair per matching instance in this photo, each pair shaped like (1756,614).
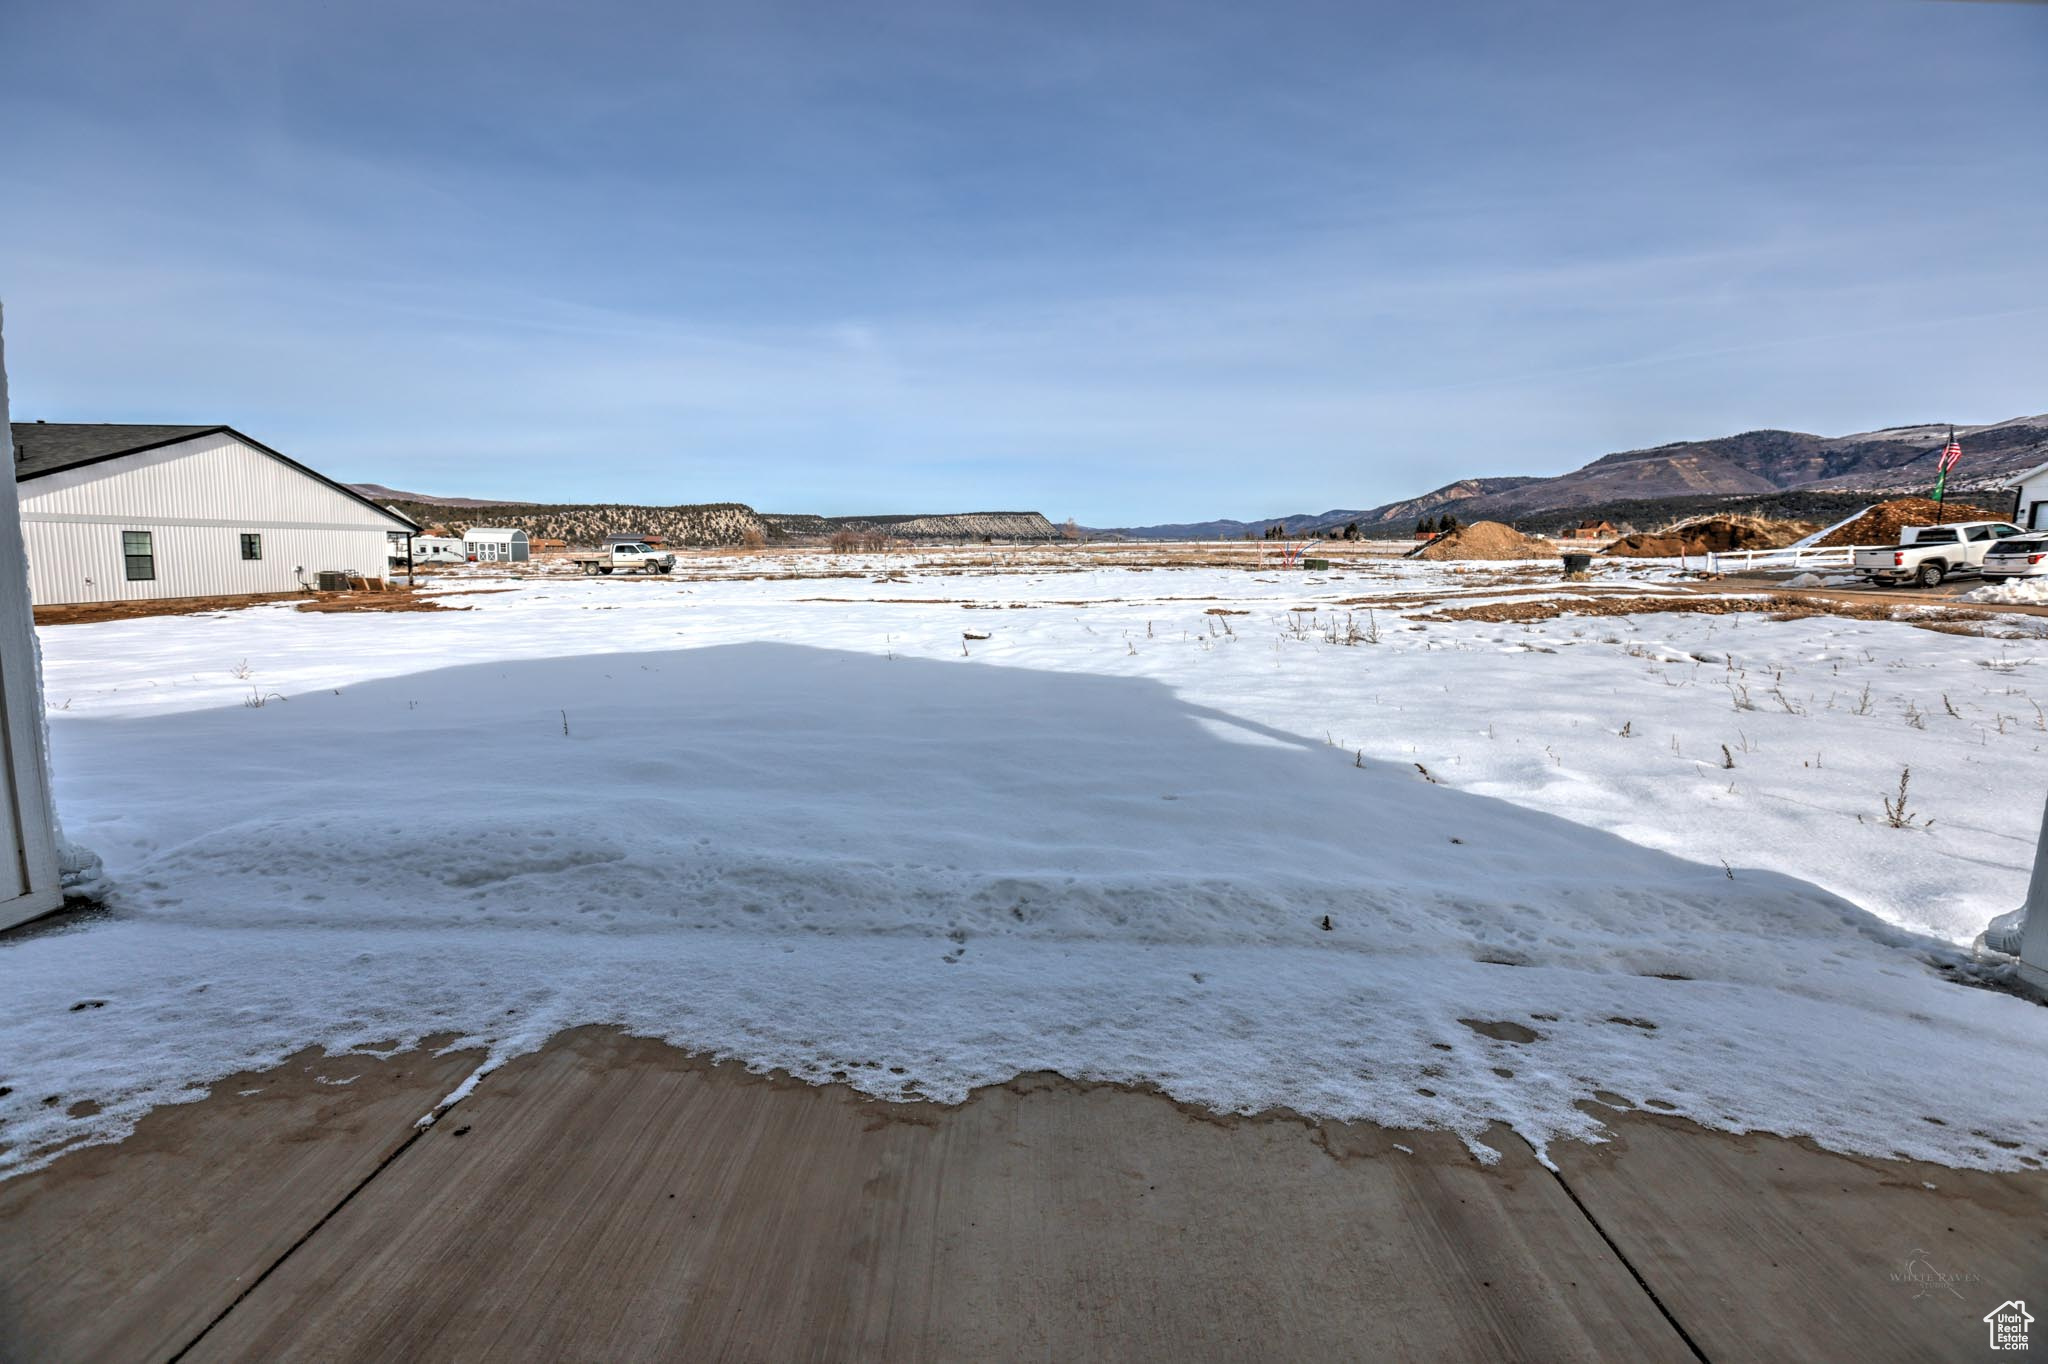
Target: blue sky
(1126,262)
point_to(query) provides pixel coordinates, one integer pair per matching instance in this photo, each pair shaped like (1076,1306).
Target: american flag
(1950,453)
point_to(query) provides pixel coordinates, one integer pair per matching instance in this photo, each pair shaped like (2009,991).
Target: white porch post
(29,884)
(2034,934)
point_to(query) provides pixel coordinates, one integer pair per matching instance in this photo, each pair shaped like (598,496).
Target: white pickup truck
(634,558)
(1927,554)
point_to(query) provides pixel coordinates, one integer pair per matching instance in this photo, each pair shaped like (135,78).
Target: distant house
(635,539)
(123,513)
(2031,505)
(1592,530)
(548,544)
(496,544)
(434,549)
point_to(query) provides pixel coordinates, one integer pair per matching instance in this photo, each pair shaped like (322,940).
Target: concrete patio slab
(612,1198)
(1768,1248)
(126,1252)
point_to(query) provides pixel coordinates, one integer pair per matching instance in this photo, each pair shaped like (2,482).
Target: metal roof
(46,447)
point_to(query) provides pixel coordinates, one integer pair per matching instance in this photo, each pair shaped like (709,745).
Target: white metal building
(29,876)
(2032,511)
(495,544)
(118,513)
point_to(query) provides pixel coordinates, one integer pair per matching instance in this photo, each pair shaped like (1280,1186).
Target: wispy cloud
(1142,264)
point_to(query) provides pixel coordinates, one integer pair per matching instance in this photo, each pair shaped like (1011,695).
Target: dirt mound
(1487,540)
(1711,535)
(1882,523)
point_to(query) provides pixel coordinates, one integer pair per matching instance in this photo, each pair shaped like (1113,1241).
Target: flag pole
(1941,482)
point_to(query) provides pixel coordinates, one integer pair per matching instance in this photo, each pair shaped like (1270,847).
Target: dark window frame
(252,546)
(144,559)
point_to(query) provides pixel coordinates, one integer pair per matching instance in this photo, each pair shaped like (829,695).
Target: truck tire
(604,568)
(1930,574)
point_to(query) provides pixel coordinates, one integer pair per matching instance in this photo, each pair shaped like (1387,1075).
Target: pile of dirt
(1882,523)
(1711,535)
(1487,540)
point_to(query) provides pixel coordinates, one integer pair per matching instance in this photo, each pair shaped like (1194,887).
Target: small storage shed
(496,544)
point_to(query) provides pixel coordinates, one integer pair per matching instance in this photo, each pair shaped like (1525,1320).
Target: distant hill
(948,526)
(708,523)
(377,492)
(1791,472)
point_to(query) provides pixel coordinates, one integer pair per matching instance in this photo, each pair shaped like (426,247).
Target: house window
(140,553)
(252,545)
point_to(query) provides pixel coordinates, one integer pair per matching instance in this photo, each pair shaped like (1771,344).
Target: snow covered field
(805,821)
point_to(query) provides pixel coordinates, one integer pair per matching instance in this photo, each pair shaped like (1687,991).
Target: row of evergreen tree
(1278,531)
(1437,525)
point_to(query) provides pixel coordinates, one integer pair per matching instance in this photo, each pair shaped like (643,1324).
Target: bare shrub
(1895,812)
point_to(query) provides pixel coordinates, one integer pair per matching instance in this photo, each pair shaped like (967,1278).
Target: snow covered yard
(925,825)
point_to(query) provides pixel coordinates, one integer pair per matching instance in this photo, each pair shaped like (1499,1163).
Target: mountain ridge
(1765,464)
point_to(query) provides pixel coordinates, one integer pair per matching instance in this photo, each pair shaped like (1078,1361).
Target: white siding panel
(82,561)
(195,498)
(208,476)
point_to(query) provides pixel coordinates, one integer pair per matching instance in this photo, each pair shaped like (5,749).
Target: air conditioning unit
(332,579)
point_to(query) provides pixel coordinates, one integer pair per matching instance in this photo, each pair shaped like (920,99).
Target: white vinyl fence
(1837,556)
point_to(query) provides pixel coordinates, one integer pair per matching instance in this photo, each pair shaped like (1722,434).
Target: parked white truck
(1927,554)
(626,558)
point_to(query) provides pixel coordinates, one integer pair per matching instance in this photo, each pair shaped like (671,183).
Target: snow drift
(924,876)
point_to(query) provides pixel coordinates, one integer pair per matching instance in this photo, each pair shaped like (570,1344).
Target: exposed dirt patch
(91,613)
(1776,605)
(1501,1030)
(396,599)
(390,599)
(1550,608)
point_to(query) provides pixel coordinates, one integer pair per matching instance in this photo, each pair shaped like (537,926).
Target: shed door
(2037,516)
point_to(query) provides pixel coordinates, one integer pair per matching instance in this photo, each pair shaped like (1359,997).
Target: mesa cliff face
(1012,526)
(710,523)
